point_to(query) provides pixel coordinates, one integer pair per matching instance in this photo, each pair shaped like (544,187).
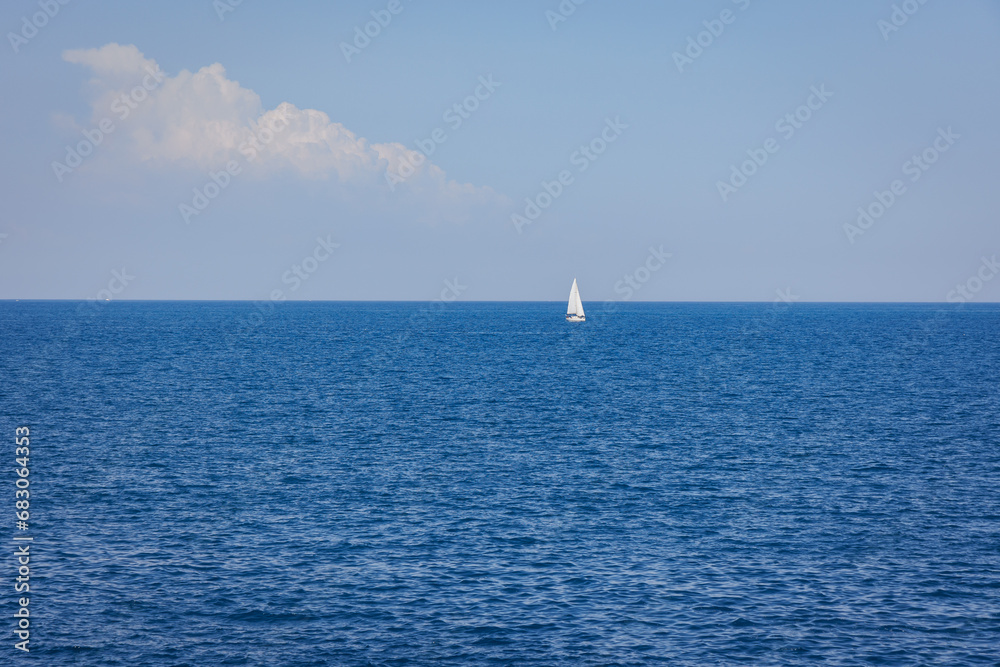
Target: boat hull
(576,318)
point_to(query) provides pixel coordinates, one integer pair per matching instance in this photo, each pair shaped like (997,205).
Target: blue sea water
(486,484)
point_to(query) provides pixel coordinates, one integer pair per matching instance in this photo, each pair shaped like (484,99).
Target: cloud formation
(203,120)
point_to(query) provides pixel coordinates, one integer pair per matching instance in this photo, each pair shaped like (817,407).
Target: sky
(723,150)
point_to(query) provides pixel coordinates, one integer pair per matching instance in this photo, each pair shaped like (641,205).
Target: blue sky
(670,135)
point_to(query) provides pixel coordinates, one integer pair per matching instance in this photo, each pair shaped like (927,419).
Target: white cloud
(203,120)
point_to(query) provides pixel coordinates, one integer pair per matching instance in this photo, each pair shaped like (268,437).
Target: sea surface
(487,484)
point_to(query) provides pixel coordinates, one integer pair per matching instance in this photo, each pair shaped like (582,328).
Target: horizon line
(456,302)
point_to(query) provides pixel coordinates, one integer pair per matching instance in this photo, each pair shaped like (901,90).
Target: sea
(230,483)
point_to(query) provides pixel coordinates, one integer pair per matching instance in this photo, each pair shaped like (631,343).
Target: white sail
(575,306)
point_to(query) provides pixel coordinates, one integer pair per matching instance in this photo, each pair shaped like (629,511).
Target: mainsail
(575,306)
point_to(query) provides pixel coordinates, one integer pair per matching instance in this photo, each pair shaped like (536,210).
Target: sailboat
(574,311)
